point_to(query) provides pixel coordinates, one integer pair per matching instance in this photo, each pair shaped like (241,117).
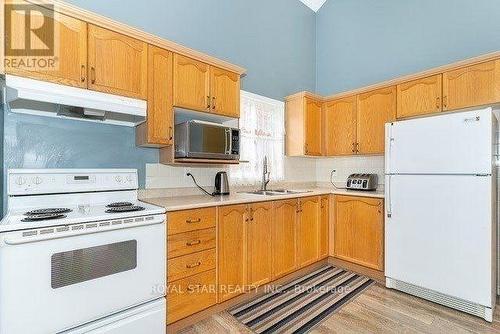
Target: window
(262,133)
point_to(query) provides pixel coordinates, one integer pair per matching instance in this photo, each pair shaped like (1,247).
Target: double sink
(277,192)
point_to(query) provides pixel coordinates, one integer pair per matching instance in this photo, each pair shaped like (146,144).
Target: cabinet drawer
(190,220)
(190,242)
(190,264)
(191,295)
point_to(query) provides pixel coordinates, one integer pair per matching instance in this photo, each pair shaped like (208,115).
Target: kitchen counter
(203,201)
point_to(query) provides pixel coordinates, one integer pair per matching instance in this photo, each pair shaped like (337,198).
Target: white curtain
(262,132)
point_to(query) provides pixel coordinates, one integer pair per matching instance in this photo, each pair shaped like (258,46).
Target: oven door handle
(60,235)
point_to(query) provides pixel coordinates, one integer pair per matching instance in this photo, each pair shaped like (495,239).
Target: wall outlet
(333,173)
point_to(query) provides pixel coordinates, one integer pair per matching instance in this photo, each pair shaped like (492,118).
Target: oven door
(210,141)
(59,281)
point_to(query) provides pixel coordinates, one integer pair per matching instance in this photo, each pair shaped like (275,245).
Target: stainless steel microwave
(206,140)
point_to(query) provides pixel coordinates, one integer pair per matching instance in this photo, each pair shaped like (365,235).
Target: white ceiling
(313,4)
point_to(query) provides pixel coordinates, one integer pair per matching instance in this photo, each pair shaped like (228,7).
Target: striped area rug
(302,304)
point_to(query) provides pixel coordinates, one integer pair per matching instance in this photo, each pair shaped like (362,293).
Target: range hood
(42,98)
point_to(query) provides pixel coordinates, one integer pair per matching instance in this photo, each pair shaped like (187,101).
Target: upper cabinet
(472,85)
(340,126)
(70,65)
(304,122)
(224,92)
(375,108)
(199,86)
(420,97)
(158,129)
(191,84)
(117,63)
(313,143)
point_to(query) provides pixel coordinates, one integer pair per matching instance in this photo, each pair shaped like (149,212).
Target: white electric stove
(79,251)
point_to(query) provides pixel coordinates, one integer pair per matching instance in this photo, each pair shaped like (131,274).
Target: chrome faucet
(265,180)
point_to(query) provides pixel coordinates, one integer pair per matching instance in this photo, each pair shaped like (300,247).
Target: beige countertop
(202,201)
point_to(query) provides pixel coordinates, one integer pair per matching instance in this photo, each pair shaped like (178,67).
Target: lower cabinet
(190,295)
(192,262)
(231,250)
(359,230)
(259,244)
(324,226)
(308,230)
(284,235)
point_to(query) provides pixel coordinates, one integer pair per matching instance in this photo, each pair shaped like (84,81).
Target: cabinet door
(70,48)
(308,231)
(158,128)
(284,234)
(374,110)
(340,126)
(191,84)
(118,64)
(359,231)
(225,92)
(323,228)
(472,86)
(313,127)
(419,97)
(258,241)
(231,250)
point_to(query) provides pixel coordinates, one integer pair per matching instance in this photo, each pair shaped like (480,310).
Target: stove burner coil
(124,209)
(43,216)
(47,211)
(118,204)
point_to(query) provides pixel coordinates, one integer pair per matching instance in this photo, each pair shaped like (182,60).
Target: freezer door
(457,143)
(439,234)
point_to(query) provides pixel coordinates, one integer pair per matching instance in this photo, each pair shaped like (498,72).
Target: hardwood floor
(376,310)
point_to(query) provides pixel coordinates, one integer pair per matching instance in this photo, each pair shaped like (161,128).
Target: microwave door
(208,141)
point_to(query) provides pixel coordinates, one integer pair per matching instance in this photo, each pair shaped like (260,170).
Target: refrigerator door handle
(389,199)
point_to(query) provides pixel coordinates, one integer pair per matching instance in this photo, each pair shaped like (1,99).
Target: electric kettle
(221,184)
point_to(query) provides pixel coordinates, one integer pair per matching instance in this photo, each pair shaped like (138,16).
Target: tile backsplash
(297,170)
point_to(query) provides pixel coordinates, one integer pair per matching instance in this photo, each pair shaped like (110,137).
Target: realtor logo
(30,37)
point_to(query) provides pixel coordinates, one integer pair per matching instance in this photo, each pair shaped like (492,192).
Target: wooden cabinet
(231,250)
(259,244)
(190,295)
(313,121)
(359,231)
(199,86)
(375,108)
(284,236)
(308,230)
(158,129)
(419,97)
(117,63)
(225,92)
(191,84)
(68,66)
(324,222)
(472,85)
(304,124)
(340,126)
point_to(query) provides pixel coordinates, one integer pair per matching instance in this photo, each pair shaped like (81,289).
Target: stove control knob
(37,180)
(20,181)
(118,179)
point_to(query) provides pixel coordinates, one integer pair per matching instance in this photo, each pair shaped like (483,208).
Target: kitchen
(102,136)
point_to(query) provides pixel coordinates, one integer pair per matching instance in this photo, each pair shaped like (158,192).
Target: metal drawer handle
(190,221)
(193,243)
(193,265)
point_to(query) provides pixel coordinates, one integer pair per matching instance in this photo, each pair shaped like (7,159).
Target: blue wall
(360,42)
(273,40)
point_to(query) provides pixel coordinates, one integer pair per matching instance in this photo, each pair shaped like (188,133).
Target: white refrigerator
(440,209)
